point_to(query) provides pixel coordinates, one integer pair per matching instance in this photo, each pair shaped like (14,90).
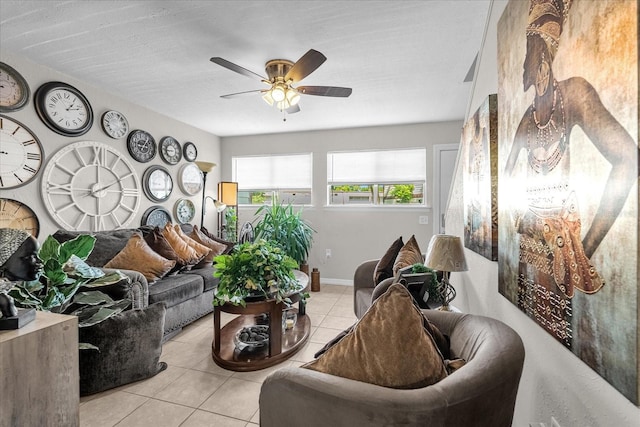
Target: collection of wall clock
(86,185)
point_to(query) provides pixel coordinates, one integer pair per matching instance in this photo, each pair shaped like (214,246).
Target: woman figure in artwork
(18,262)
(554,259)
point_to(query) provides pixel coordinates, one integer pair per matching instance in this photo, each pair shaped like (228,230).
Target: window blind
(288,171)
(384,166)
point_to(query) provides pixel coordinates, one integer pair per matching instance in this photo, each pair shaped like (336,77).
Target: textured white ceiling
(405,60)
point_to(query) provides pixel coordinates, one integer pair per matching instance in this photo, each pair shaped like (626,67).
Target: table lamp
(205,168)
(445,253)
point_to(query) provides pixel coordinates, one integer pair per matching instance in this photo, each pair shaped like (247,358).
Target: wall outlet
(423,219)
(327,253)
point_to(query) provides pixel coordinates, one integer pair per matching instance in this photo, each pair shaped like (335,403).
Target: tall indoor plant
(280,224)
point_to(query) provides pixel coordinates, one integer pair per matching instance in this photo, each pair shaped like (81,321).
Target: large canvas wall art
(568,176)
(480,181)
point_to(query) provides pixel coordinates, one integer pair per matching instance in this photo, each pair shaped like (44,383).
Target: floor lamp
(205,168)
(445,253)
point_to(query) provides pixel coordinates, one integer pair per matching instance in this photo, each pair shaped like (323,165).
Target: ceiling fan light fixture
(278,92)
(293,96)
(267,97)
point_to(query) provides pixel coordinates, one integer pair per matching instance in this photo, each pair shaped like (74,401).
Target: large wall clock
(89,185)
(21,154)
(64,109)
(141,146)
(156,216)
(15,214)
(15,90)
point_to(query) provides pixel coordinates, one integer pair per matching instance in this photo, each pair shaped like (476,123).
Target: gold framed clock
(15,214)
(90,185)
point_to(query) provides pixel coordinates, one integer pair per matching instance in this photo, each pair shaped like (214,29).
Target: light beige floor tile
(207,364)
(191,389)
(153,385)
(260,375)
(307,352)
(252,425)
(316,319)
(319,307)
(341,311)
(256,418)
(193,334)
(324,335)
(99,411)
(332,289)
(345,300)
(184,355)
(157,413)
(235,398)
(207,419)
(337,322)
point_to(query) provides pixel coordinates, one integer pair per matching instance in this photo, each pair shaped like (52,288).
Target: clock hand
(91,192)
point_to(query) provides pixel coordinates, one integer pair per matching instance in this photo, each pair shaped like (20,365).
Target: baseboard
(341,282)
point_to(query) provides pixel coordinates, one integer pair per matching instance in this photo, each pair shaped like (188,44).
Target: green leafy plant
(432,280)
(287,229)
(420,268)
(403,193)
(254,269)
(230,224)
(67,284)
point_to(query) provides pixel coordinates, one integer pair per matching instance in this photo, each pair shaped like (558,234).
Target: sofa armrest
(139,290)
(363,278)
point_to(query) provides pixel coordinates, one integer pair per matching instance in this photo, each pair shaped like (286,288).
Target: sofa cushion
(188,256)
(216,248)
(228,244)
(173,290)
(130,344)
(108,243)
(201,250)
(206,273)
(157,242)
(389,346)
(409,254)
(384,268)
(138,256)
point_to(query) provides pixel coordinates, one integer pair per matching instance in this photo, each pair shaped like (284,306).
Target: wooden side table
(281,345)
(39,380)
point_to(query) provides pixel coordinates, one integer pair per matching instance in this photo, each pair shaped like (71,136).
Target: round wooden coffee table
(281,345)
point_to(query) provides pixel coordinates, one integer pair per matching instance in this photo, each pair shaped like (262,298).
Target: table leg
(216,330)
(275,330)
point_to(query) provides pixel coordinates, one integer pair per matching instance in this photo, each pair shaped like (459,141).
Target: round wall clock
(115,124)
(14,214)
(64,109)
(190,179)
(15,90)
(190,151)
(89,185)
(156,216)
(21,154)
(157,183)
(185,211)
(170,150)
(141,146)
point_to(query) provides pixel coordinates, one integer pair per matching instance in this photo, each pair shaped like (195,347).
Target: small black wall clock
(170,150)
(115,124)
(64,109)
(190,151)
(141,146)
(156,216)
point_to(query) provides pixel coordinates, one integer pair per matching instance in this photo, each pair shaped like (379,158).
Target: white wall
(139,118)
(555,383)
(353,234)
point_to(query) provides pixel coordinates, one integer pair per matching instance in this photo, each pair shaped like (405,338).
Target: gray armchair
(481,393)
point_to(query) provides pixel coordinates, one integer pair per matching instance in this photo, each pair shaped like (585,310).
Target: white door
(444,165)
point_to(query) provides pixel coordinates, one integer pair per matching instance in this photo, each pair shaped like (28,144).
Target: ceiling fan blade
(293,109)
(340,92)
(306,65)
(238,69)
(238,94)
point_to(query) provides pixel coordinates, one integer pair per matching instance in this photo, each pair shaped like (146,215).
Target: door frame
(438,210)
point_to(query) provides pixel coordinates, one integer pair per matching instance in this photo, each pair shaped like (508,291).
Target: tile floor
(193,391)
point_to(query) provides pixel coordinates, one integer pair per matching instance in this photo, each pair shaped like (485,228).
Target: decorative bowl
(252,338)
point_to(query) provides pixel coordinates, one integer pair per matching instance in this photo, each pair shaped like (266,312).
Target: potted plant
(287,229)
(259,269)
(67,284)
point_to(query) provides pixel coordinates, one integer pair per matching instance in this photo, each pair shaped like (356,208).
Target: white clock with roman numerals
(89,185)
(21,154)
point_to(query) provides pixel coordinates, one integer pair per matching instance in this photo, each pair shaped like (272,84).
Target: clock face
(157,183)
(190,152)
(141,146)
(115,124)
(14,90)
(64,109)
(170,150)
(190,179)
(185,211)
(89,185)
(156,216)
(21,153)
(14,214)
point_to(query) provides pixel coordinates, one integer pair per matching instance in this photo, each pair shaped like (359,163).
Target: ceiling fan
(282,75)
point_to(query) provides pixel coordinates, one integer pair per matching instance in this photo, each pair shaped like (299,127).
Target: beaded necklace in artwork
(546,147)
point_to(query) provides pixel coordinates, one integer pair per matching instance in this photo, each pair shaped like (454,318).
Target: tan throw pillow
(384,268)
(161,246)
(201,250)
(137,255)
(188,255)
(217,248)
(389,347)
(409,254)
(228,244)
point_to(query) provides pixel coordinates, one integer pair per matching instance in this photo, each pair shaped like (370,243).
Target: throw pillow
(389,347)
(161,246)
(409,254)
(384,268)
(216,248)
(201,250)
(230,245)
(130,345)
(138,256)
(188,255)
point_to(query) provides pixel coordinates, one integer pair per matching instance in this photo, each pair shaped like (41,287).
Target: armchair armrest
(138,291)
(363,279)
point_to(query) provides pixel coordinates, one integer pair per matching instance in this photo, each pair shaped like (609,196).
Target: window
(260,178)
(385,177)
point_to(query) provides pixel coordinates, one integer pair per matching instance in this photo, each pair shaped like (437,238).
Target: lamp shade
(445,253)
(228,193)
(205,167)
